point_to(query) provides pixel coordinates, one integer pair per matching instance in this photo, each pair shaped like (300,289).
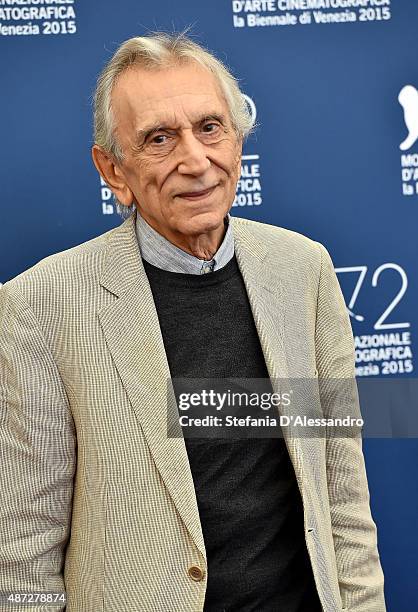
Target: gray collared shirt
(160,252)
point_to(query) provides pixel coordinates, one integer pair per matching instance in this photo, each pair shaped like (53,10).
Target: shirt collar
(160,252)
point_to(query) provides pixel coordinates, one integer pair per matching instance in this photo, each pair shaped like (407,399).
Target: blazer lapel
(131,327)
(266,294)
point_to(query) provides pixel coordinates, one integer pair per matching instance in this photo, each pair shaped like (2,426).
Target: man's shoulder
(78,265)
(278,239)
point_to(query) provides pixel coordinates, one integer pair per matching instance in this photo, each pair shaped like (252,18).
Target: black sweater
(248,498)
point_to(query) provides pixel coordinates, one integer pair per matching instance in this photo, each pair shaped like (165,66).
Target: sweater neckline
(181,279)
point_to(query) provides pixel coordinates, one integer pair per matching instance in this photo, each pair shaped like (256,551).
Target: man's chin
(201,223)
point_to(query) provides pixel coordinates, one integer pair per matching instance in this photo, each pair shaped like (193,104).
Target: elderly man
(97,500)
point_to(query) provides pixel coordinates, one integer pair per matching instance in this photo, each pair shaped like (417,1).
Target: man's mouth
(196,195)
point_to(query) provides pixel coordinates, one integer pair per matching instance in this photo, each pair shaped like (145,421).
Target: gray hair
(152,52)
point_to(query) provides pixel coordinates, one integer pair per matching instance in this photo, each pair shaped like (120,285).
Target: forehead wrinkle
(138,112)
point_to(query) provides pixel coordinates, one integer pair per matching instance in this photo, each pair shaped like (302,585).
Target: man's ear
(112,174)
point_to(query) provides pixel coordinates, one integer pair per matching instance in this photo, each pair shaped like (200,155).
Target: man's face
(181,155)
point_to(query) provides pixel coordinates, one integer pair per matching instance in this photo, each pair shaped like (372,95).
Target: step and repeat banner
(333,85)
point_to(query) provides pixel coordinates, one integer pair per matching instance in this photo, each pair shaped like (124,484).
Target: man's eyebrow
(212,117)
(142,134)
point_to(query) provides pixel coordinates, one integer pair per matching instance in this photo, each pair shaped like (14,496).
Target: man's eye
(159,139)
(210,127)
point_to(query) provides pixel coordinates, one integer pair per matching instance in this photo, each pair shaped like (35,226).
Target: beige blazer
(96,500)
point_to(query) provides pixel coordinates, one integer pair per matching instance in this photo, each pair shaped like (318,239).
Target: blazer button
(196,573)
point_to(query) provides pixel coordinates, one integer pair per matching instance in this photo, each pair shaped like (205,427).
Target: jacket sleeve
(360,574)
(37,439)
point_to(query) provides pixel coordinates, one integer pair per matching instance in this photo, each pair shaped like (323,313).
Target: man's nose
(192,155)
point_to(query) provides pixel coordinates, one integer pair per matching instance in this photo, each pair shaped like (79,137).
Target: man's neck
(203,246)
